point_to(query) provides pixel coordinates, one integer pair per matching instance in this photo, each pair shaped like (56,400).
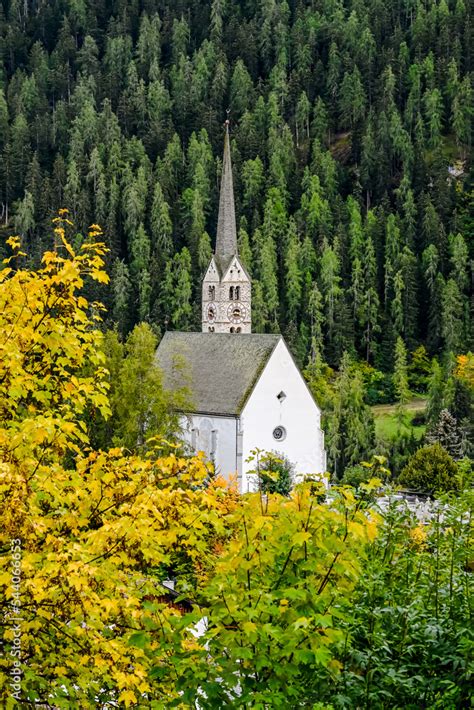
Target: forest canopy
(351,129)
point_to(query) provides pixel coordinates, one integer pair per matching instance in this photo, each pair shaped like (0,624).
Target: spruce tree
(400,380)
(447,432)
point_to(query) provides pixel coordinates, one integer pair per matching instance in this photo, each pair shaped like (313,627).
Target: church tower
(226,288)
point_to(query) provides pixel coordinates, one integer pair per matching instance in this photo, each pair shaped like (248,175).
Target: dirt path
(414,405)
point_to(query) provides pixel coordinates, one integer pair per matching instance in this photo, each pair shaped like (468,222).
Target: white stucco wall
(225,440)
(297,413)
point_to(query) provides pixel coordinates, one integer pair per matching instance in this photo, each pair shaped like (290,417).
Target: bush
(355,475)
(431,469)
(276,474)
(418,419)
(365,471)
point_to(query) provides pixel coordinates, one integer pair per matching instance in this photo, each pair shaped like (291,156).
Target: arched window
(212,292)
(231,293)
(238,330)
(232,330)
(237,293)
(211,329)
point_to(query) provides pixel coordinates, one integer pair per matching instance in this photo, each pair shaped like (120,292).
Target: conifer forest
(351,129)
(134,572)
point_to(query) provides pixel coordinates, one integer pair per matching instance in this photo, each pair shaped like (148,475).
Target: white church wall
(296,412)
(218,437)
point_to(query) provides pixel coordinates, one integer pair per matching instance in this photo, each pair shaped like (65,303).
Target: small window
(237,293)
(211,329)
(231,293)
(281,396)
(212,292)
(279,433)
(232,330)
(238,330)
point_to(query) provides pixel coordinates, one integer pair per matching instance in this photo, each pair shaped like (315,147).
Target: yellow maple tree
(465,368)
(93,531)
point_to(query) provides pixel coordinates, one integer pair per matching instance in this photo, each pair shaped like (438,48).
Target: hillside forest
(133,574)
(351,128)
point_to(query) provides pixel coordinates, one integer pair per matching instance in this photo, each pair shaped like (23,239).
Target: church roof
(226,239)
(220,369)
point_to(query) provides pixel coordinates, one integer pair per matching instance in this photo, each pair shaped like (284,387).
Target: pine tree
(447,432)
(25,216)
(315,311)
(241,89)
(160,223)
(452,317)
(140,253)
(121,290)
(400,379)
(350,425)
(177,292)
(330,285)
(303,108)
(292,274)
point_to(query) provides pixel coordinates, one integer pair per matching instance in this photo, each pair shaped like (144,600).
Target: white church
(246,390)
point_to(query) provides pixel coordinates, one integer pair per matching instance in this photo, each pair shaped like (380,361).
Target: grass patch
(387,425)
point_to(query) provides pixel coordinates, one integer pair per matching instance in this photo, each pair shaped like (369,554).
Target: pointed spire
(226,241)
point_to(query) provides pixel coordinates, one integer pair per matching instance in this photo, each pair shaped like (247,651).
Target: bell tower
(226,287)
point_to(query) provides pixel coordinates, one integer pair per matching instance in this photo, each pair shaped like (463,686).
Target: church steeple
(226,240)
(226,288)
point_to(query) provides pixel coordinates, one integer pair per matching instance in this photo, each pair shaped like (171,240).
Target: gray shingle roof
(220,369)
(226,240)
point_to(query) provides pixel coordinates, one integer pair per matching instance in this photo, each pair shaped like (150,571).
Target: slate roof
(226,239)
(220,369)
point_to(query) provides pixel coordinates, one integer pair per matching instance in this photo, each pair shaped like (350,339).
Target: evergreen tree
(177,291)
(400,379)
(160,222)
(350,424)
(447,432)
(452,316)
(141,408)
(293,274)
(330,285)
(121,289)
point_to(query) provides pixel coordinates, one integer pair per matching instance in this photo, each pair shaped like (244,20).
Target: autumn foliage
(306,600)
(98,529)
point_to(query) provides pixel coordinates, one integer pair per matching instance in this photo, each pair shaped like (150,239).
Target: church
(246,390)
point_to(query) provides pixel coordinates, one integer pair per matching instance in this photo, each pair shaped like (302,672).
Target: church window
(211,312)
(232,330)
(279,433)
(212,292)
(237,293)
(238,330)
(211,329)
(194,438)
(231,293)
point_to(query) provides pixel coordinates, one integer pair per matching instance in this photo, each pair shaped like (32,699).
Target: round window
(279,433)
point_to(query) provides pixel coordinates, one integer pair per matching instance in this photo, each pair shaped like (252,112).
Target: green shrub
(365,471)
(431,469)
(276,474)
(355,475)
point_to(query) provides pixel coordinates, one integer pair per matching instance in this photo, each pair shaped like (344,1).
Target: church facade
(246,391)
